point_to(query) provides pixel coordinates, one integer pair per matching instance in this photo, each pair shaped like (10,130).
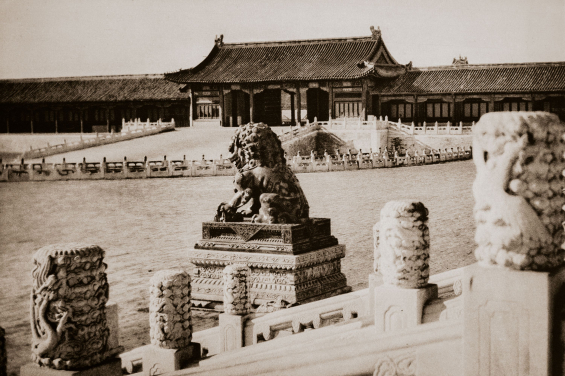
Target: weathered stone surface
(3,353)
(68,314)
(236,289)
(113,325)
(231,331)
(400,308)
(266,189)
(267,238)
(402,242)
(110,367)
(519,190)
(292,278)
(157,360)
(170,316)
(513,321)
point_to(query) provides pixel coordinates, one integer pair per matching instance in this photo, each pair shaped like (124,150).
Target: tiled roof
(320,59)
(528,77)
(89,89)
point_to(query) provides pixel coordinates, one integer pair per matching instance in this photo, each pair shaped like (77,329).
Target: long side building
(89,104)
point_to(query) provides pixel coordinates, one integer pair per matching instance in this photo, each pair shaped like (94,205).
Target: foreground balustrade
(501,316)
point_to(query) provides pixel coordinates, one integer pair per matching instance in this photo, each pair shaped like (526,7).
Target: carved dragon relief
(68,300)
(518,190)
(46,313)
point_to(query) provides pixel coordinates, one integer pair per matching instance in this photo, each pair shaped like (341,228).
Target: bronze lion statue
(266,190)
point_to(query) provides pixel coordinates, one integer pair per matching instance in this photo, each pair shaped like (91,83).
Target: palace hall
(283,83)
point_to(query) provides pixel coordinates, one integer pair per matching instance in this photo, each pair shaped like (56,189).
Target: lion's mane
(255,145)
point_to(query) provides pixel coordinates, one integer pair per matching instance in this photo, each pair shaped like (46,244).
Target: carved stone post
(170,321)
(514,297)
(236,306)
(236,289)
(68,311)
(402,257)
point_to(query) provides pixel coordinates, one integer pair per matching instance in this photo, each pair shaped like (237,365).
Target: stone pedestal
(399,308)
(297,262)
(112,367)
(512,321)
(113,325)
(375,280)
(157,360)
(231,332)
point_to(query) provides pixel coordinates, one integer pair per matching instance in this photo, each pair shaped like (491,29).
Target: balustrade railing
(219,167)
(434,129)
(130,130)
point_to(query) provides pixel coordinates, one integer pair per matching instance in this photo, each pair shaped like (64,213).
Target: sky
(62,38)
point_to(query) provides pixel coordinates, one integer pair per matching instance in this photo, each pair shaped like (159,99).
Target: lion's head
(256,145)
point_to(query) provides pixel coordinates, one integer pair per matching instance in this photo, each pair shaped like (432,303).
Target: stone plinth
(509,320)
(296,277)
(157,360)
(399,308)
(231,332)
(267,238)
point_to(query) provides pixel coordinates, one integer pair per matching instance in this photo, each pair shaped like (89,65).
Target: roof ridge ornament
(460,61)
(376,33)
(219,41)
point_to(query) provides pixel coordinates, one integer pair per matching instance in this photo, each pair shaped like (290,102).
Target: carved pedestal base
(157,360)
(513,321)
(295,278)
(231,332)
(375,280)
(112,367)
(397,308)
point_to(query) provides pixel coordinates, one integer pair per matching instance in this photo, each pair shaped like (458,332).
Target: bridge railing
(129,131)
(435,128)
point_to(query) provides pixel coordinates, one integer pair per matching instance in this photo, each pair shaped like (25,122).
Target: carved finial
(170,317)
(518,190)
(375,33)
(401,244)
(236,289)
(460,61)
(219,41)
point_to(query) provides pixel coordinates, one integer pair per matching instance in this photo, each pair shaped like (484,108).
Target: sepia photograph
(314,187)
